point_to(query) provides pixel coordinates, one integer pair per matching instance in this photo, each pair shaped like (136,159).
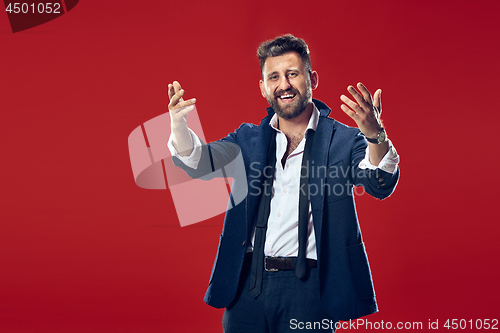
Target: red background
(83,249)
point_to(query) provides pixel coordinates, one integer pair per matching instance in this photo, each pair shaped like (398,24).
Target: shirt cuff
(191,160)
(388,164)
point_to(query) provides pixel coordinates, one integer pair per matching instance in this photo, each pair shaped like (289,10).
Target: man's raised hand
(365,111)
(178,107)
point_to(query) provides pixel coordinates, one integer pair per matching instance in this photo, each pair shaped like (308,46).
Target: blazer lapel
(317,176)
(256,170)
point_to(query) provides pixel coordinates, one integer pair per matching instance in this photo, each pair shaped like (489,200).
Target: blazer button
(381,180)
(244,243)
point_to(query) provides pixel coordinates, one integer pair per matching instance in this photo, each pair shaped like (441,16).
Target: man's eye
(292,74)
(274,77)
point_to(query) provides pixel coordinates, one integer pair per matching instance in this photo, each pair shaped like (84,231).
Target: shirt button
(279,214)
(284,190)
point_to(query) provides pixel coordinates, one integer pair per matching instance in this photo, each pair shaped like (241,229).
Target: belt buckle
(268,269)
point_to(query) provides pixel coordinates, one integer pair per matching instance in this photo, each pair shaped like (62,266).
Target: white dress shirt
(282,227)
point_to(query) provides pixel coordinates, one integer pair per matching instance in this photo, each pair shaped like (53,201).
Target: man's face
(287,85)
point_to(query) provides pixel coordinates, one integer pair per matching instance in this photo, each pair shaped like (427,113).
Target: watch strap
(372,140)
(377,139)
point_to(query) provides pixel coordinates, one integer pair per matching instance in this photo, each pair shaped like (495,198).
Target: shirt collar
(312,124)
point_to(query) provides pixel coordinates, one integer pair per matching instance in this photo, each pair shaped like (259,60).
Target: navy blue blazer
(345,280)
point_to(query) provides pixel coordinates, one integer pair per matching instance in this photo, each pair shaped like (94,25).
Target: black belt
(274,264)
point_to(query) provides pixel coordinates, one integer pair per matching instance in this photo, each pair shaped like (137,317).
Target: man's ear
(314,80)
(262,89)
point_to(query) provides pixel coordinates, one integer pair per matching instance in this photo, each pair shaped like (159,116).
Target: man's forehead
(287,61)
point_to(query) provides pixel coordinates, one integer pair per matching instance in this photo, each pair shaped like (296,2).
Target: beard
(294,109)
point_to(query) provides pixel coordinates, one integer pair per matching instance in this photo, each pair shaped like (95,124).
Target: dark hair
(281,45)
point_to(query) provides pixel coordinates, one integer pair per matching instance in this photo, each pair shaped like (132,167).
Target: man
(291,255)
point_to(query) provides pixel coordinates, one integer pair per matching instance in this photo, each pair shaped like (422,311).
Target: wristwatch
(381,137)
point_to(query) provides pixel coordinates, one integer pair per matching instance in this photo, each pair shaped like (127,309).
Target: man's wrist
(179,129)
(379,138)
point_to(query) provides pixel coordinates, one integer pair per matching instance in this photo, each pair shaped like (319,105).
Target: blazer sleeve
(378,183)
(218,159)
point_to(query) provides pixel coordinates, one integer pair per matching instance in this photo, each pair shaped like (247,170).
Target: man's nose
(284,83)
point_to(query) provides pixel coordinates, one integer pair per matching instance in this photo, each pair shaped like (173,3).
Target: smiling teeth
(286,96)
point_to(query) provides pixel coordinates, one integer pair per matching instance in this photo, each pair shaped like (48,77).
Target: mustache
(292,91)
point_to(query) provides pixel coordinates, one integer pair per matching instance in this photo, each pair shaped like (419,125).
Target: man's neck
(296,126)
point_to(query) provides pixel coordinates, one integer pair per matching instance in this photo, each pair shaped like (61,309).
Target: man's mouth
(287,98)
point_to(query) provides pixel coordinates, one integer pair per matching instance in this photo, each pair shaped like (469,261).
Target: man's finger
(358,97)
(171,91)
(353,105)
(184,111)
(179,106)
(366,93)
(176,98)
(349,112)
(377,100)
(177,86)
